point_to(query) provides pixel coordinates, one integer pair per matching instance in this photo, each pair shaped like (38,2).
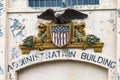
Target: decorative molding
(78,38)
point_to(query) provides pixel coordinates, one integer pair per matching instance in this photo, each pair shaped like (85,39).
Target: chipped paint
(17,28)
(65,51)
(1,33)
(14,53)
(114,27)
(1,8)
(1,5)
(1,11)
(119,12)
(1,51)
(2,40)
(118,77)
(1,70)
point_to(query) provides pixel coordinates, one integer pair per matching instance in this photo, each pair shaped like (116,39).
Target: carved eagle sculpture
(67,16)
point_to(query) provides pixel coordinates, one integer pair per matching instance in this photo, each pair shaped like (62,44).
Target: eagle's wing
(47,15)
(71,14)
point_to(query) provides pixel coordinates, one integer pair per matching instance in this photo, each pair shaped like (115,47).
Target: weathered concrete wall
(99,23)
(102,21)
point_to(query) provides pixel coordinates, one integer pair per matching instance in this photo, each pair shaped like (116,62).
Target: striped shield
(60,35)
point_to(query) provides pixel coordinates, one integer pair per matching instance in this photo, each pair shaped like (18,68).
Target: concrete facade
(103,21)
